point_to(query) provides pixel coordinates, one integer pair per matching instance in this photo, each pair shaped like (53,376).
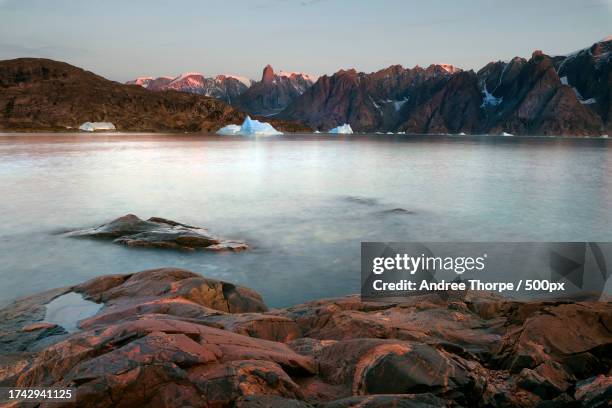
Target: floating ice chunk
(94,126)
(345,129)
(255,127)
(564,80)
(229,130)
(589,101)
(506,134)
(461,134)
(250,127)
(316,131)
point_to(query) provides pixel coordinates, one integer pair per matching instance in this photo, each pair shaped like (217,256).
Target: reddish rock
(157,232)
(170,337)
(273,93)
(595,392)
(576,335)
(389,401)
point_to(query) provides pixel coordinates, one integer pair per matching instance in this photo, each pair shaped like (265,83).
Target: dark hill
(41,94)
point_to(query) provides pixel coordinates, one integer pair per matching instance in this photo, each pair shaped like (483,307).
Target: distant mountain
(223,87)
(541,96)
(274,92)
(368,102)
(41,94)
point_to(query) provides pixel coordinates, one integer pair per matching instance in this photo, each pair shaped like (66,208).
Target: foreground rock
(158,232)
(170,337)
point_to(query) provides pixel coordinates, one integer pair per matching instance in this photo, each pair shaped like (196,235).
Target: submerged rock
(170,337)
(158,232)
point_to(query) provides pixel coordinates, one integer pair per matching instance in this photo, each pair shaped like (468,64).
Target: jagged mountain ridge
(540,96)
(223,87)
(274,92)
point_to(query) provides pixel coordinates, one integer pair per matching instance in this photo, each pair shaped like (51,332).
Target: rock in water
(158,232)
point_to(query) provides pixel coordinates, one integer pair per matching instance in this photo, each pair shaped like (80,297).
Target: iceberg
(229,130)
(345,129)
(95,126)
(506,134)
(250,127)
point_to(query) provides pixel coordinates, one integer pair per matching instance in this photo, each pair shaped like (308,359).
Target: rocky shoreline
(170,337)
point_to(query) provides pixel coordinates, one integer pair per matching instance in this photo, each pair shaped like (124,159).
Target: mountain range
(223,87)
(543,95)
(40,94)
(267,97)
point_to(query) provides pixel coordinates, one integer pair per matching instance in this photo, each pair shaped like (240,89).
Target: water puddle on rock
(68,309)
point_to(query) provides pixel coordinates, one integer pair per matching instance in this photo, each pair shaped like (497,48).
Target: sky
(121,40)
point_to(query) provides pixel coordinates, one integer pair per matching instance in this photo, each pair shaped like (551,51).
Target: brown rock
(169,337)
(156,232)
(595,392)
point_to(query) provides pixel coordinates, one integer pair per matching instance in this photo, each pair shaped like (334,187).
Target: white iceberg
(229,130)
(250,127)
(344,129)
(95,126)
(506,134)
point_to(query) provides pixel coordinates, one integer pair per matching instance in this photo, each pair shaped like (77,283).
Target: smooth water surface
(304,202)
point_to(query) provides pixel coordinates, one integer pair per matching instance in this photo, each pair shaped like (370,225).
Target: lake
(304,202)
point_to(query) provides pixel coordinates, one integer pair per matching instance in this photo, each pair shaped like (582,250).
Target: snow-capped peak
(185,75)
(246,81)
(308,77)
(142,81)
(451,69)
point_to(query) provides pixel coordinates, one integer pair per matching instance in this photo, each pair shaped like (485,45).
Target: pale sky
(124,39)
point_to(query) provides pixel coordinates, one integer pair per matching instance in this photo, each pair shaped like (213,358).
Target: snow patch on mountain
(244,80)
(488,99)
(398,104)
(451,69)
(307,77)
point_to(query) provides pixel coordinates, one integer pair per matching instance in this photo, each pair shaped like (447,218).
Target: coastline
(212,343)
(72,132)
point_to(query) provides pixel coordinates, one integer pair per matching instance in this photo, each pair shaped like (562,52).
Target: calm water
(304,202)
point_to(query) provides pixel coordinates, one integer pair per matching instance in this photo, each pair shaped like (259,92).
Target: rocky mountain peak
(268,74)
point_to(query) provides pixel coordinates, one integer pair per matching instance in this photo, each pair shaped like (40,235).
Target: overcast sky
(124,39)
